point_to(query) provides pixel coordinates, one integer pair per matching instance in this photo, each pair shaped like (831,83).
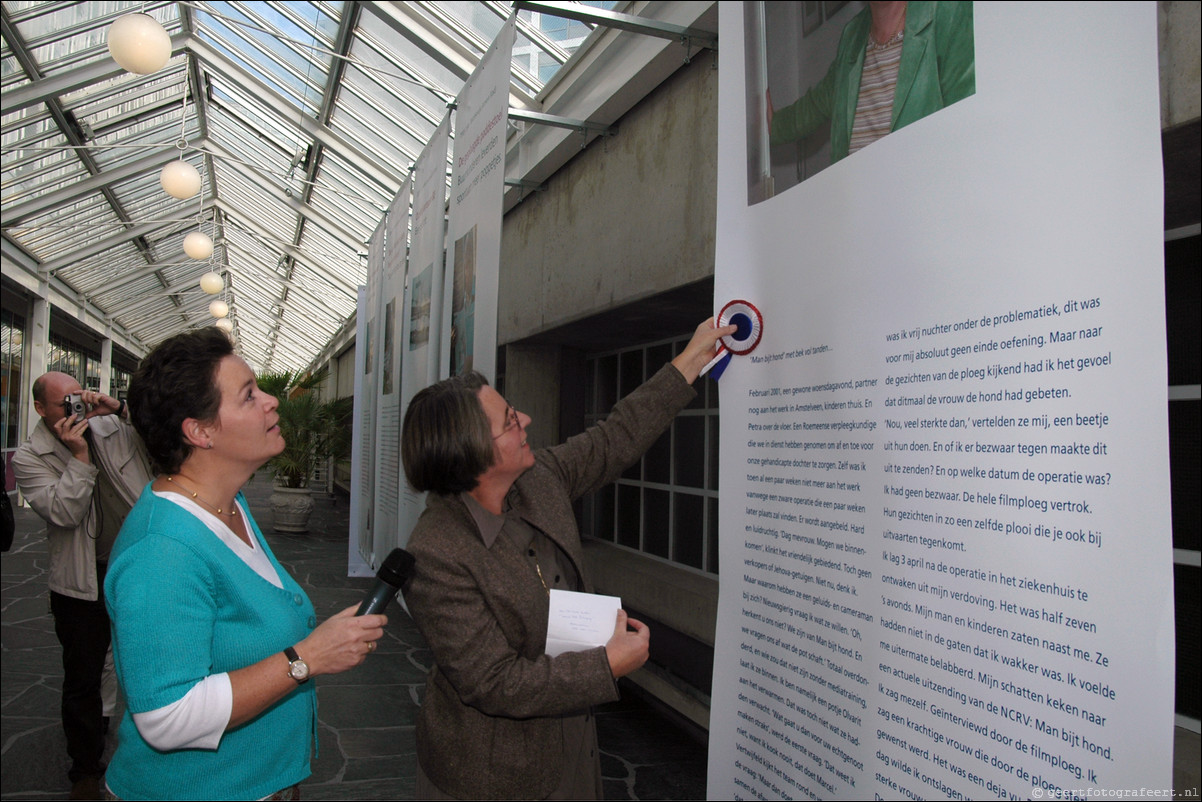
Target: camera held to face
(74,405)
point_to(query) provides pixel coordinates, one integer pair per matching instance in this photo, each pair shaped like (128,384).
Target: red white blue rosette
(749,325)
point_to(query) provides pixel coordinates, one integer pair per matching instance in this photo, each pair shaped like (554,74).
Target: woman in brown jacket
(500,718)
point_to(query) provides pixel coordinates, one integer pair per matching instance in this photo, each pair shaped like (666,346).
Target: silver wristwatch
(298,669)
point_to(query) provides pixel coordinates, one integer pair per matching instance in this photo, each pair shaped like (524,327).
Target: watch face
(298,670)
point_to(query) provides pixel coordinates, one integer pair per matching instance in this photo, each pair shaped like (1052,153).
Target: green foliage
(313,430)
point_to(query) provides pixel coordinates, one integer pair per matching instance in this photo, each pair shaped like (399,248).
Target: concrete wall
(532,384)
(630,216)
(1180,70)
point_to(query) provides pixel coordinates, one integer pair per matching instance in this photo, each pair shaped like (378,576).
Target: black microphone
(393,574)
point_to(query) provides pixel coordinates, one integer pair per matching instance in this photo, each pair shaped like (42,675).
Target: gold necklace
(196,497)
(897,35)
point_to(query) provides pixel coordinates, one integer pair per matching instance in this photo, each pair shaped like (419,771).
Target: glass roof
(302,118)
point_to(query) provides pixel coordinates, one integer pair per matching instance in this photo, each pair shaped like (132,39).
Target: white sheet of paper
(579,621)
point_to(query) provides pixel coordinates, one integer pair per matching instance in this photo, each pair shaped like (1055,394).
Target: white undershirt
(199,718)
(254,557)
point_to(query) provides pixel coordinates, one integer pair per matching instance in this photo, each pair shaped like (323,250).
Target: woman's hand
(341,642)
(700,349)
(627,650)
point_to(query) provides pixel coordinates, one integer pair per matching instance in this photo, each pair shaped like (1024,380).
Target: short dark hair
(175,381)
(446,439)
(39,388)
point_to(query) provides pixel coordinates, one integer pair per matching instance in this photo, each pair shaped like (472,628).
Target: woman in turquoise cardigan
(937,68)
(214,642)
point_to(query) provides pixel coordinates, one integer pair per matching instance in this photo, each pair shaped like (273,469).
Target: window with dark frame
(666,504)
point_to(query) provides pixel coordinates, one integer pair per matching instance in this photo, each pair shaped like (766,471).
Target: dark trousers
(83,629)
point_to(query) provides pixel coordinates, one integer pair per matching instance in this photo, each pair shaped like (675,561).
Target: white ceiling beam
(186,304)
(248,223)
(100,246)
(608,75)
(69,81)
(22,270)
(131,276)
(375,171)
(266,180)
(14,215)
(438,44)
(434,41)
(631,23)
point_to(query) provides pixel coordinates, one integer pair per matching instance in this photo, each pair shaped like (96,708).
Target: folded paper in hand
(579,621)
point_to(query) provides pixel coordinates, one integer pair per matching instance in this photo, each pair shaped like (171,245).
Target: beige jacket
(59,488)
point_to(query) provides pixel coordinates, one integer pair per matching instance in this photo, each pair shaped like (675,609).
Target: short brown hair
(446,439)
(177,380)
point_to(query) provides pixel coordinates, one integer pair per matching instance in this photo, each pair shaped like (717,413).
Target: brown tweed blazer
(488,726)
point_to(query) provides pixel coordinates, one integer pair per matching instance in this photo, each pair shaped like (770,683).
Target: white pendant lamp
(212,283)
(180,179)
(138,43)
(219,309)
(225,324)
(198,245)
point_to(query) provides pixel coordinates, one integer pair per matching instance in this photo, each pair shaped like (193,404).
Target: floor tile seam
(12,739)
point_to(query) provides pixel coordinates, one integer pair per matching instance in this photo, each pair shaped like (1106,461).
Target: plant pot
(291,508)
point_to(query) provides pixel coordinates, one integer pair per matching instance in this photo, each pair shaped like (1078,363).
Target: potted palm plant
(314,431)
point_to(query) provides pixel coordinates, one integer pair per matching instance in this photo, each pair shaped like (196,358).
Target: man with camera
(81,470)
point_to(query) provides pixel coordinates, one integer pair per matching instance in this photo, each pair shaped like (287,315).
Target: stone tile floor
(365,716)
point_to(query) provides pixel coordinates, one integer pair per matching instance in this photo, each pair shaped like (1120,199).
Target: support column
(37,352)
(106,363)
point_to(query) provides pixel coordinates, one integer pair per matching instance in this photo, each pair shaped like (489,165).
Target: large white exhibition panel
(421,329)
(389,340)
(367,383)
(946,558)
(474,219)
